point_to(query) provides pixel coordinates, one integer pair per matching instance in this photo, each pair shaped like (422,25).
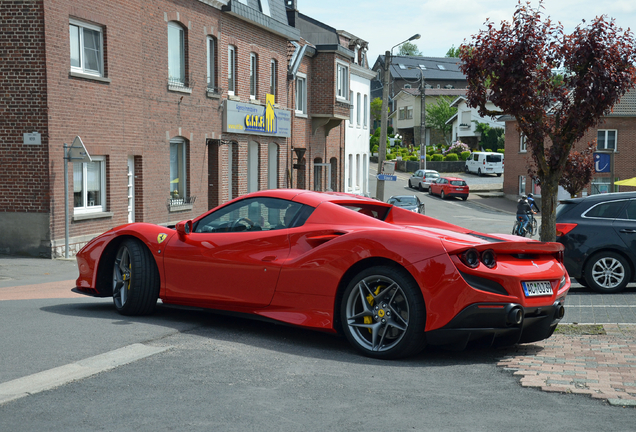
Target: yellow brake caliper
(368,319)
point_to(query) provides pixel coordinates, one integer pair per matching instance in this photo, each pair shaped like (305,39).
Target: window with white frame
(401,113)
(176,54)
(409,113)
(523,145)
(351,109)
(273,77)
(86,43)
(342,81)
(358,110)
(178,171)
(301,93)
(606,139)
(366,111)
(212,63)
(253,76)
(522,185)
(89,186)
(231,70)
(265,8)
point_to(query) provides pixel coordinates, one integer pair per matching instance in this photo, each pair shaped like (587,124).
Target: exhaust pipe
(560,311)
(515,316)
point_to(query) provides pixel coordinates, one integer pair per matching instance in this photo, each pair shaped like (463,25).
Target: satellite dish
(77,151)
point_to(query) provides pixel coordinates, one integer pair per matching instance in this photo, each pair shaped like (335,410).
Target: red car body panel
(295,275)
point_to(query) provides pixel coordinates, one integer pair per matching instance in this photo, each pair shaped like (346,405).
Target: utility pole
(379,192)
(386,81)
(422,121)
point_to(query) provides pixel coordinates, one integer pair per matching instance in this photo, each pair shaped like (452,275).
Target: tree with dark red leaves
(513,66)
(578,170)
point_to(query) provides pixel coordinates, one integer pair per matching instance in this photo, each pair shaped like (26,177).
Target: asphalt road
(233,374)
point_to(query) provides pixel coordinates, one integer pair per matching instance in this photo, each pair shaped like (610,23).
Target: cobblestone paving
(601,366)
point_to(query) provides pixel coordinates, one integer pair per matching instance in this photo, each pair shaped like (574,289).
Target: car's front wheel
(607,272)
(135,279)
(383,314)
(442,194)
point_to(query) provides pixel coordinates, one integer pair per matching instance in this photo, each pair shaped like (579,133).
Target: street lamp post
(422,118)
(386,79)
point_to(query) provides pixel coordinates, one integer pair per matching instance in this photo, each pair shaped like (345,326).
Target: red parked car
(447,187)
(389,279)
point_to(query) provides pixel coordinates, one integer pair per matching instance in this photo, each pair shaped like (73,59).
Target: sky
(443,24)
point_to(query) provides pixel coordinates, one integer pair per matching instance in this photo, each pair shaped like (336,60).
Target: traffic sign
(387,177)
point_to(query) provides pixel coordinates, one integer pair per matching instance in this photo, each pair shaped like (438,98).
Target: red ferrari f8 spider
(389,279)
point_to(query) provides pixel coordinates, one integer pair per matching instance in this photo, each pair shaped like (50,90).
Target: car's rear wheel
(607,272)
(420,187)
(464,198)
(383,313)
(135,279)
(479,172)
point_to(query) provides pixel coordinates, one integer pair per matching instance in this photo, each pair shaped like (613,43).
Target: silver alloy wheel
(608,272)
(377,313)
(121,277)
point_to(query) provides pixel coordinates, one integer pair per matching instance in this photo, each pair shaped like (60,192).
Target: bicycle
(530,229)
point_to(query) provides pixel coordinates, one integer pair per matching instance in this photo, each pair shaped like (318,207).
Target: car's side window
(254,214)
(607,210)
(630,211)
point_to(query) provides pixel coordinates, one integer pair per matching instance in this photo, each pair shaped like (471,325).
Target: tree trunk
(549,202)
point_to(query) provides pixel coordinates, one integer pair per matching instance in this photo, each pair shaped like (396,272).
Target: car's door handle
(269,258)
(629,231)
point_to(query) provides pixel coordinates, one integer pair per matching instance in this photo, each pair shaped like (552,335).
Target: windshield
(403,201)
(493,158)
(564,207)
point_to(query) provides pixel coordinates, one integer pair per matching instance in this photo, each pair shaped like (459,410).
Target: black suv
(599,235)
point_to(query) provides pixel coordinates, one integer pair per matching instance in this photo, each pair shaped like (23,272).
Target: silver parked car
(408,202)
(422,179)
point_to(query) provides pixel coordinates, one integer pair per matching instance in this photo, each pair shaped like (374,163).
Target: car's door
(625,227)
(438,186)
(232,257)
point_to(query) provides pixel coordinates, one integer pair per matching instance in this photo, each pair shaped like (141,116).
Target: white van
(485,163)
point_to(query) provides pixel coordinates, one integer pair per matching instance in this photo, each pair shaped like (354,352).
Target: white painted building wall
(358,131)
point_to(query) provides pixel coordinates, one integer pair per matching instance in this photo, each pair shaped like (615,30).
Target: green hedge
(465,155)
(437,157)
(451,157)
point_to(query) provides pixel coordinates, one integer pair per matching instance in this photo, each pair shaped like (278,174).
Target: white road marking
(52,378)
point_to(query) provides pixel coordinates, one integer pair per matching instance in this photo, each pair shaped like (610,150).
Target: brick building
(182,105)
(615,133)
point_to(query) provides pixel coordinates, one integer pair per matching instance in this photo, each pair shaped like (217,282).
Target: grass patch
(575,329)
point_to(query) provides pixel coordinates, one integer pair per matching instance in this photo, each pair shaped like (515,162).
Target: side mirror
(184,228)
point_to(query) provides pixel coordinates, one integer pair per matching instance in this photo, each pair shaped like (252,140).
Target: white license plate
(537,288)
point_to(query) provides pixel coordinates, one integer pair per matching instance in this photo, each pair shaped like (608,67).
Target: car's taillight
(472,257)
(564,228)
(489,258)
